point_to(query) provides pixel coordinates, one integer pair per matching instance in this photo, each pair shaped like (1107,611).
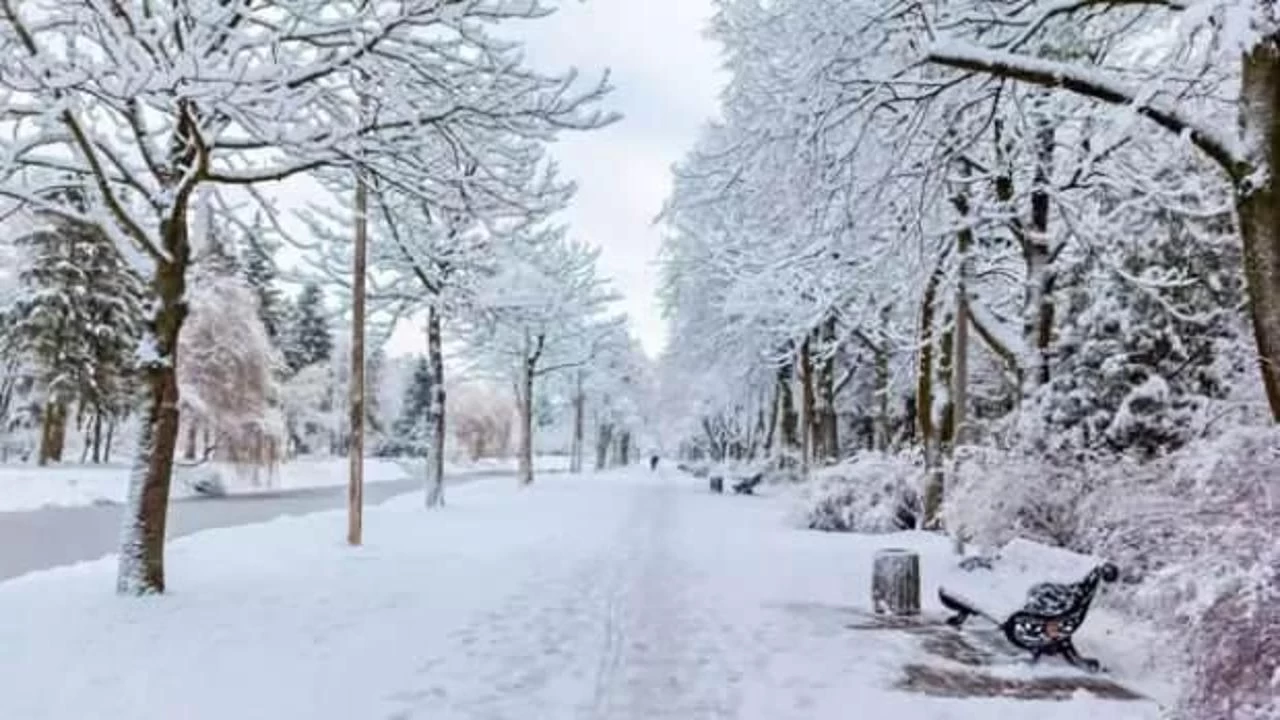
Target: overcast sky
(667,80)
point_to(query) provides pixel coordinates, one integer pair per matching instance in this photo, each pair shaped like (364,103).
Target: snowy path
(622,596)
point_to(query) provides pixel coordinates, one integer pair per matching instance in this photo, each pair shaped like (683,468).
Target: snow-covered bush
(874,493)
(996,495)
(1198,529)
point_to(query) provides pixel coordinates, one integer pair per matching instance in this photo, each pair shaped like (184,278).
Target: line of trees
(165,120)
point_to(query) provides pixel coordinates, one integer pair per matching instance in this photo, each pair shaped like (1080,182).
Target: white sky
(666,78)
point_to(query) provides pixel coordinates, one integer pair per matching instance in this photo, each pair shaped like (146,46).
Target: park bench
(747,485)
(1047,613)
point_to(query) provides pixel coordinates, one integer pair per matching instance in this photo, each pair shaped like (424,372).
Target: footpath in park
(622,595)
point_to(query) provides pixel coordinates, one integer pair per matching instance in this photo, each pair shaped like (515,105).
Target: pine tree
(259,267)
(80,322)
(410,433)
(311,340)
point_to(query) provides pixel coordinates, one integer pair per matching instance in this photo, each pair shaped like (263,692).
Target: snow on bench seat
(1018,566)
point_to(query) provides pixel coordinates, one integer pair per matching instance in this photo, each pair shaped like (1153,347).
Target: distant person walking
(653,462)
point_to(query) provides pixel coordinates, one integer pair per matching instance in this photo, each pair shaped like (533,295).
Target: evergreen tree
(260,271)
(410,434)
(311,341)
(79,321)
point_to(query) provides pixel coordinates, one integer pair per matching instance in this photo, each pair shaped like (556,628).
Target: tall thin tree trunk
(1038,254)
(579,409)
(355,451)
(604,438)
(526,423)
(789,419)
(111,435)
(924,401)
(772,422)
(828,420)
(141,569)
(883,420)
(960,349)
(193,436)
(624,449)
(806,406)
(97,436)
(436,419)
(1259,211)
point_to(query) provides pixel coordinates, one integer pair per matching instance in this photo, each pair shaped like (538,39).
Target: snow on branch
(1222,148)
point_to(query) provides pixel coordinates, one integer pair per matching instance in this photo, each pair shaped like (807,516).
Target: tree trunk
(960,352)
(604,438)
(141,569)
(111,435)
(579,408)
(789,420)
(53,432)
(193,436)
(772,422)
(828,421)
(1259,211)
(895,582)
(356,409)
(436,413)
(806,407)
(526,423)
(924,401)
(883,423)
(97,436)
(624,449)
(1038,255)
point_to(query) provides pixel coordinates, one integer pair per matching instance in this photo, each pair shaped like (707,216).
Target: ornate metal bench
(1045,623)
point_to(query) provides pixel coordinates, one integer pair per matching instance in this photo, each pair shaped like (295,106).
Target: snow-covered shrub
(1235,651)
(1198,528)
(874,493)
(995,495)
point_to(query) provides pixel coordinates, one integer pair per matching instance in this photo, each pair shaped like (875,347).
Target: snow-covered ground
(28,487)
(621,595)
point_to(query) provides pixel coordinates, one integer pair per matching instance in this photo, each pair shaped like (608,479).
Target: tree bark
(604,438)
(806,406)
(356,411)
(579,408)
(624,449)
(1258,209)
(141,569)
(828,421)
(97,436)
(111,434)
(526,422)
(436,412)
(924,400)
(1038,255)
(789,419)
(193,436)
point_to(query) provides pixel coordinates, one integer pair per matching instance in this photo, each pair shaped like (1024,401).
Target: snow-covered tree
(77,321)
(309,337)
(144,104)
(411,432)
(543,312)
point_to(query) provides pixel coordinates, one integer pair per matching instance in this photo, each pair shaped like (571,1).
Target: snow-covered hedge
(873,493)
(1194,533)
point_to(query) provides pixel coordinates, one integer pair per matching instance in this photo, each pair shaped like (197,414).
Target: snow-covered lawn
(28,487)
(621,595)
